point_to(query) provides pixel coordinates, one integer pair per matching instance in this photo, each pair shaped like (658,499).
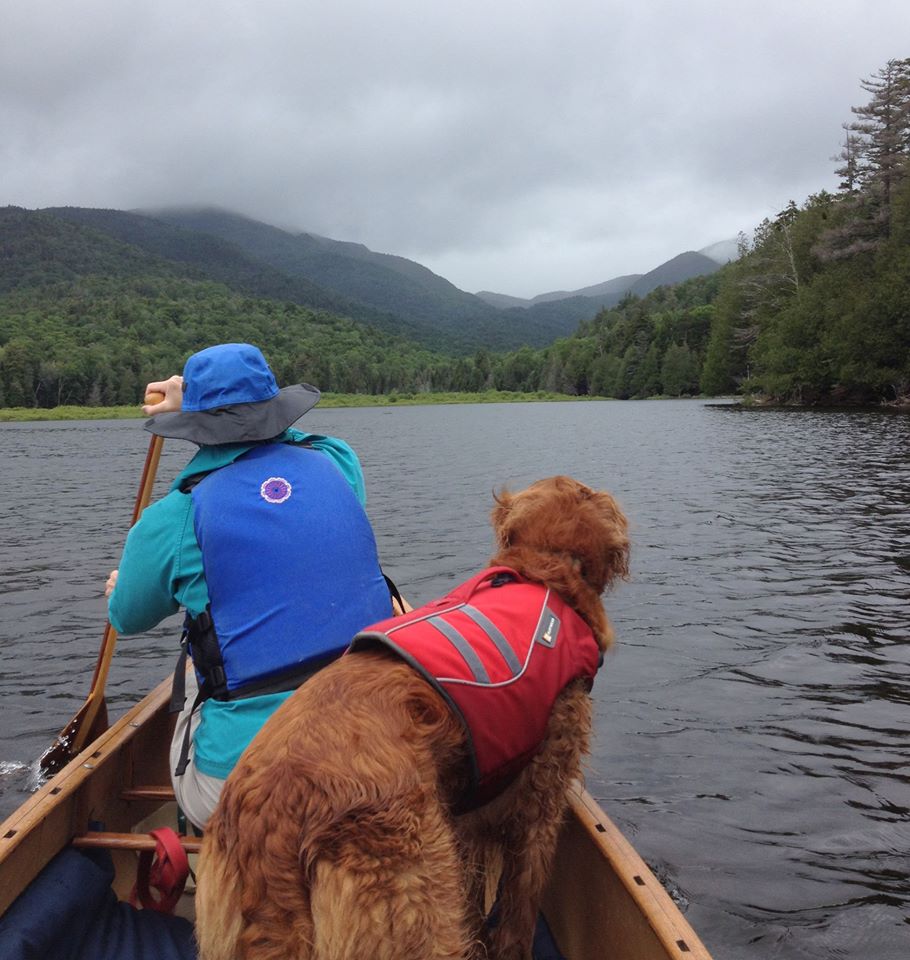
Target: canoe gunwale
(64,806)
(638,919)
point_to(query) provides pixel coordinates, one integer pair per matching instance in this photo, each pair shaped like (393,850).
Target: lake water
(753,720)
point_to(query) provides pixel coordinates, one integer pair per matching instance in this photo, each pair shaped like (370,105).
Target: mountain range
(388,292)
(607,294)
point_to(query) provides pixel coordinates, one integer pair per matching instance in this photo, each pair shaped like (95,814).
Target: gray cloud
(515,146)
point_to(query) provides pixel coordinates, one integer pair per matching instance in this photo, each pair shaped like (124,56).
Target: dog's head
(568,536)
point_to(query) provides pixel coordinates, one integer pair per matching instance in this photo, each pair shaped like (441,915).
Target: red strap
(165,870)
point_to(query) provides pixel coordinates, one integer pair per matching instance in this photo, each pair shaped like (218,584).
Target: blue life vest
(291,567)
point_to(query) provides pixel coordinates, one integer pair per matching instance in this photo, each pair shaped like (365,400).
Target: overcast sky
(519,147)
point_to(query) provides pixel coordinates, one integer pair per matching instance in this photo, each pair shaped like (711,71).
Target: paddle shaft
(93,712)
(108,641)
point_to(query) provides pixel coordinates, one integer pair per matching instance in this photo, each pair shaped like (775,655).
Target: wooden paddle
(91,720)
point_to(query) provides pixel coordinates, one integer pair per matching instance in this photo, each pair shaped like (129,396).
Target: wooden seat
(129,841)
(163,794)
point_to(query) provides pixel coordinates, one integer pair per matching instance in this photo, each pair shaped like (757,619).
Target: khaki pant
(196,793)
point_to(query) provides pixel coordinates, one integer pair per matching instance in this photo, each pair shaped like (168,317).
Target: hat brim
(239,422)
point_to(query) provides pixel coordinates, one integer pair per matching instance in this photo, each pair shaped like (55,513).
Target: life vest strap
(178,684)
(394,592)
(183,760)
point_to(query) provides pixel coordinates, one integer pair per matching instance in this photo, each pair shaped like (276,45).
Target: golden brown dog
(336,836)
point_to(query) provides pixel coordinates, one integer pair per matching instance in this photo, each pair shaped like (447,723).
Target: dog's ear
(603,539)
(502,526)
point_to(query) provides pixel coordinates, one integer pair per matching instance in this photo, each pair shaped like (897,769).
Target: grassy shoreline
(329,400)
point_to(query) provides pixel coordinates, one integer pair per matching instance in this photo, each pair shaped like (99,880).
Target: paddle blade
(89,723)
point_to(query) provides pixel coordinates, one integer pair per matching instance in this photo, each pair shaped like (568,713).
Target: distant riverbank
(328,400)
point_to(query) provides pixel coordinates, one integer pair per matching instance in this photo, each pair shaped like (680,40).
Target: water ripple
(751,722)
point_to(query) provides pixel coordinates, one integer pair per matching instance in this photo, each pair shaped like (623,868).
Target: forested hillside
(99,341)
(641,348)
(816,309)
(819,309)
(444,314)
(87,319)
(204,256)
(390,293)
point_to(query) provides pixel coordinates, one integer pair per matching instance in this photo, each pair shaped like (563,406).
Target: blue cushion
(69,912)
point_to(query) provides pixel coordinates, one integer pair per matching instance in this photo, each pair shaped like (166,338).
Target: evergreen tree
(875,161)
(850,158)
(884,125)
(679,371)
(725,365)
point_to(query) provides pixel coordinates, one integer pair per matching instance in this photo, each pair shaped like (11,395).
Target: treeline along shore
(327,401)
(816,308)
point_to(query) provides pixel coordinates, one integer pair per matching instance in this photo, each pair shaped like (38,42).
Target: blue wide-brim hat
(230,395)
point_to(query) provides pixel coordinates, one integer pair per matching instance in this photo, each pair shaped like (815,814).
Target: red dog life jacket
(499,649)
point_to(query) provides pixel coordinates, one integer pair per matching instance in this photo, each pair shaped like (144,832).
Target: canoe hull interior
(92,791)
(602,901)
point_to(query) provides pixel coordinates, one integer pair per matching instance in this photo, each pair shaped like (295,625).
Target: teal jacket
(161,572)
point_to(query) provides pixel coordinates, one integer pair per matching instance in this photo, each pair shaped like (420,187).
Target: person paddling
(263,541)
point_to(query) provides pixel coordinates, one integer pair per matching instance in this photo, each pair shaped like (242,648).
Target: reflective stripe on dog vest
(500,649)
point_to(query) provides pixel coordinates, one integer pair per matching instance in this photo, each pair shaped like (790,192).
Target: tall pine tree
(875,161)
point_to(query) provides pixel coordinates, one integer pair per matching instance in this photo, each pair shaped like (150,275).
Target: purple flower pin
(275,490)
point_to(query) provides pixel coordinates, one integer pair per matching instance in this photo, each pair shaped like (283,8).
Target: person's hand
(111,583)
(172,388)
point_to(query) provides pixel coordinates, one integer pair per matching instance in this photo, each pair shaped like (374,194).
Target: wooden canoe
(603,902)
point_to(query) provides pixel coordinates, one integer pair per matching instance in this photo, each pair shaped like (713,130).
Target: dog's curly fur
(334,838)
